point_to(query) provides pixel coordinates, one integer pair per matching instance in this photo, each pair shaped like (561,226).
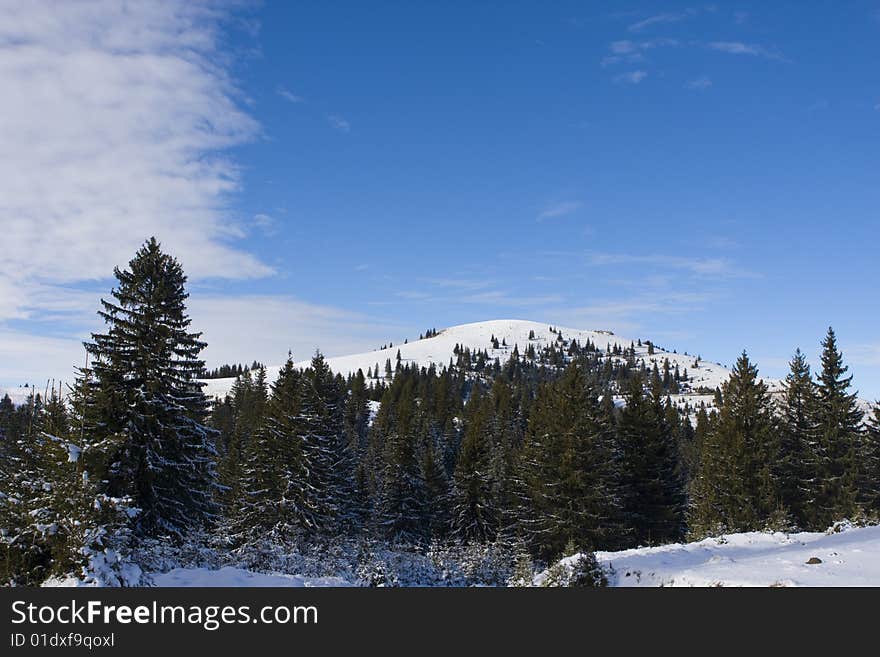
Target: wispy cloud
(631,77)
(266,224)
(460,283)
(233,335)
(628,314)
(700,83)
(622,47)
(116,119)
(632,52)
(749,49)
(289,96)
(509,300)
(339,123)
(660,19)
(708,267)
(562,209)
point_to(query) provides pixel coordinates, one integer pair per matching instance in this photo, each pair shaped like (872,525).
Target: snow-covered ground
(235,577)
(848,558)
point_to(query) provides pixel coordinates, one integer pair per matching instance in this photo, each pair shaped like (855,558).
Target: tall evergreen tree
(735,488)
(870,464)
(569,469)
(798,449)
(838,422)
(475,513)
(276,498)
(401,484)
(652,489)
(146,398)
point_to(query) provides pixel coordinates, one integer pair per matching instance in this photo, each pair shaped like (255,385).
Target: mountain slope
(439,350)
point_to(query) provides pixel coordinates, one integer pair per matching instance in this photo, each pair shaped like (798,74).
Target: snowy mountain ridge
(438,351)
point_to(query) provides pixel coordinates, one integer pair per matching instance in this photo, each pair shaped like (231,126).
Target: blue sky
(338,175)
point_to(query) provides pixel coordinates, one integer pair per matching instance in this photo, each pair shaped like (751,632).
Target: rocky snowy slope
(438,350)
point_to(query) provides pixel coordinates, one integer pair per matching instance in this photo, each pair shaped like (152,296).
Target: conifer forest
(477,470)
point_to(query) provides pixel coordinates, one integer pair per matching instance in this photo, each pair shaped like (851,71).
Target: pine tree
(147,401)
(798,449)
(248,399)
(569,469)
(735,488)
(401,496)
(474,512)
(319,425)
(652,489)
(275,498)
(870,464)
(838,424)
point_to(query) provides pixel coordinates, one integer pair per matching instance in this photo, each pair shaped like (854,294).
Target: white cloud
(266,224)
(632,77)
(560,210)
(114,122)
(339,123)
(32,359)
(289,96)
(740,48)
(699,83)
(622,47)
(628,314)
(659,19)
(631,52)
(460,283)
(708,267)
(265,327)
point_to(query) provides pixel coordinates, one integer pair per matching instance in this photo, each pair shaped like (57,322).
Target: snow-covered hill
(438,350)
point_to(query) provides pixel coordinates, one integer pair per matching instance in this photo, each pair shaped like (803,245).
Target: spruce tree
(735,488)
(870,465)
(798,448)
(838,422)
(569,469)
(652,488)
(474,512)
(146,399)
(401,496)
(276,498)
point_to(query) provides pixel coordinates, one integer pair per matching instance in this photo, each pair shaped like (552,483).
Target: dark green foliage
(838,421)
(869,459)
(735,488)
(569,468)
(147,399)
(652,488)
(587,573)
(475,512)
(796,467)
